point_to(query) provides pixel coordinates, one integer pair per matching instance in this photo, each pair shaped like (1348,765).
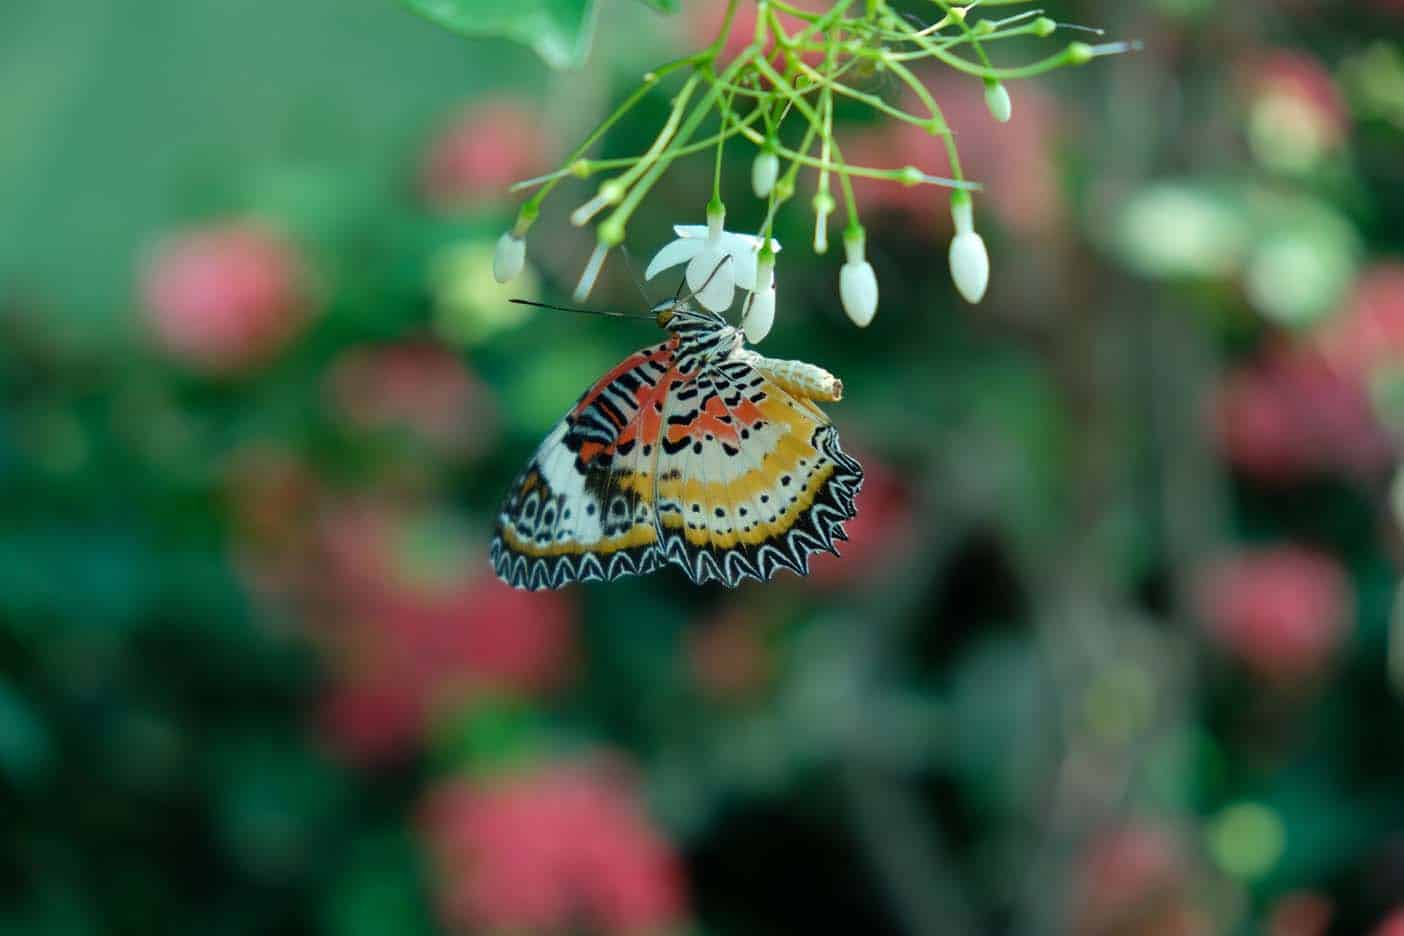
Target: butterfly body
(697,452)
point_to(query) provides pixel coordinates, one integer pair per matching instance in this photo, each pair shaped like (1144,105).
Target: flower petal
(673,253)
(746,250)
(711,280)
(746,267)
(759,315)
(691,230)
(732,241)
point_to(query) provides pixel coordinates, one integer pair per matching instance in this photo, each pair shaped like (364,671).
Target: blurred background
(1115,645)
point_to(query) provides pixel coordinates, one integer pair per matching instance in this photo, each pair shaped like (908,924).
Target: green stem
(665,136)
(710,53)
(907,174)
(725,113)
(872,100)
(619,218)
(950,42)
(796,12)
(803,107)
(532,206)
(587,168)
(969,34)
(937,116)
(1069,56)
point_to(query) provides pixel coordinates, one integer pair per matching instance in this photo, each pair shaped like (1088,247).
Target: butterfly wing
(750,477)
(583,508)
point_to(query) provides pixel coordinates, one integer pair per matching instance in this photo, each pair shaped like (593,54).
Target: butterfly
(696,452)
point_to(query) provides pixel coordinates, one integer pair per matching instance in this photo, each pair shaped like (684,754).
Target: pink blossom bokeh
(1300,913)
(416,386)
(418,628)
(1015,161)
(1367,332)
(1137,878)
(1291,415)
(879,533)
(481,150)
(225,297)
(729,656)
(560,846)
(1392,925)
(1282,611)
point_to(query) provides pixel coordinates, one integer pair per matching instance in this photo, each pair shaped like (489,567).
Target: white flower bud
(997,100)
(970,265)
(823,207)
(764,171)
(592,272)
(858,287)
(610,193)
(760,315)
(509,259)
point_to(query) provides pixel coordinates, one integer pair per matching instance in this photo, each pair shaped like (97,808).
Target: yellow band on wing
(786,513)
(640,534)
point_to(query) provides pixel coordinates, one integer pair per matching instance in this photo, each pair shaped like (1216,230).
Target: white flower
(858,287)
(703,249)
(970,262)
(997,100)
(760,308)
(509,259)
(764,171)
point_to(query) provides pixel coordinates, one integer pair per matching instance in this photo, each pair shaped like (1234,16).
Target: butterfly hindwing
(583,508)
(751,477)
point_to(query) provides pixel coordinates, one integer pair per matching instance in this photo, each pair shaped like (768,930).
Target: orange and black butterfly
(698,452)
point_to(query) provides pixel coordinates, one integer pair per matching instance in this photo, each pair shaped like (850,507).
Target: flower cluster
(777,87)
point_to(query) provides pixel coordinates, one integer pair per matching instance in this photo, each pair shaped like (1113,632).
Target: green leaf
(663,6)
(559,30)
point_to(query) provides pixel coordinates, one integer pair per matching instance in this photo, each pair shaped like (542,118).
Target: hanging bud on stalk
(509,258)
(592,272)
(997,100)
(857,282)
(764,171)
(760,307)
(970,262)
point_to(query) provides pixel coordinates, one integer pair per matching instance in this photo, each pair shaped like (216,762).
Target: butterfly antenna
(634,275)
(546,305)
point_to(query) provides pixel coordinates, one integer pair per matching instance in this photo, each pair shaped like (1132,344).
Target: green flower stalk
(779,95)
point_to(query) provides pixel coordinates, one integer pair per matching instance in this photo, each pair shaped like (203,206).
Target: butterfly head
(681,314)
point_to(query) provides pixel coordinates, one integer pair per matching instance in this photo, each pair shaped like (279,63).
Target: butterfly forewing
(582,509)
